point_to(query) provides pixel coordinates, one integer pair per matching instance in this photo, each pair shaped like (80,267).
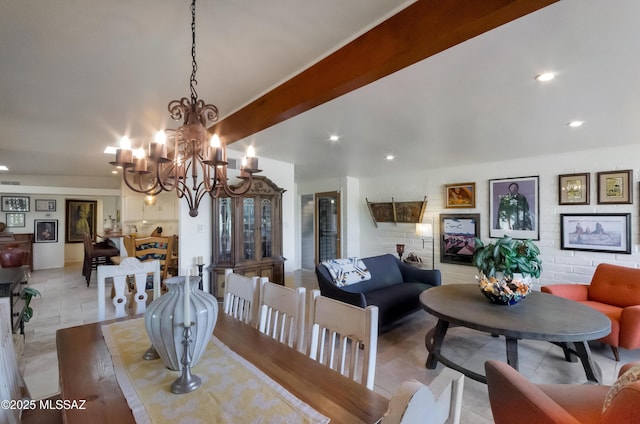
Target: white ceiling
(74,76)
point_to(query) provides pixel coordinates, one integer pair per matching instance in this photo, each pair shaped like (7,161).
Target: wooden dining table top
(87,373)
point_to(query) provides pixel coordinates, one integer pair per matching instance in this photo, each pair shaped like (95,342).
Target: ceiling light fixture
(334,138)
(3,168)
(545,76)
(177,156)
(575,124)
(390,157)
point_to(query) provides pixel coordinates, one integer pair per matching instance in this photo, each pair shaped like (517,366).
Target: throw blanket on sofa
(347,271)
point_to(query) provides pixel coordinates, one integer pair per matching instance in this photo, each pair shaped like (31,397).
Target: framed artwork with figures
(80,219)
(573,189)
(614,187)
(514,208)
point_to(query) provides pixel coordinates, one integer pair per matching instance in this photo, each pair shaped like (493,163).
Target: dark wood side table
(12,280)
(540,316)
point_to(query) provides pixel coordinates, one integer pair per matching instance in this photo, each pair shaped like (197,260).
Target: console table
(11,282)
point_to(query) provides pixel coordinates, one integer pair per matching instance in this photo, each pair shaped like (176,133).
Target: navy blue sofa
(394,287)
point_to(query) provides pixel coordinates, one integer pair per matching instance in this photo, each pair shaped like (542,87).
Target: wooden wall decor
(397,212)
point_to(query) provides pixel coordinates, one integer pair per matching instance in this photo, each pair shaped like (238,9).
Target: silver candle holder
(187,382)
(151,354)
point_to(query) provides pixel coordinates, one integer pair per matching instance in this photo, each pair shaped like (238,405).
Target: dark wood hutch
(247,234)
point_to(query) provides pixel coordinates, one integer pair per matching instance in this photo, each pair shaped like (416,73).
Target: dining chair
(95,254)
(12,384)
(158,248)
(339,331)
(282,313)
(129,285)
(438,403)
(241,297)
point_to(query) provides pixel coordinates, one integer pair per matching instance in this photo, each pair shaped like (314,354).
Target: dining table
(87,374)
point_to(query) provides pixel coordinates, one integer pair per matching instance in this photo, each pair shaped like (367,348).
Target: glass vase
(164,318)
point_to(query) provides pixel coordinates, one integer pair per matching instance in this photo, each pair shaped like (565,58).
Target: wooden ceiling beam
(423,29)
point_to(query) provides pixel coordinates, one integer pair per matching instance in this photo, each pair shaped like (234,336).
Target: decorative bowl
(504,291)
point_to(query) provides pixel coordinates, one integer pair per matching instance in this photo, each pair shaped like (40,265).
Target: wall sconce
(425,230)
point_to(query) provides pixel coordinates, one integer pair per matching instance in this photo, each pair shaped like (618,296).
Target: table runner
(232,391)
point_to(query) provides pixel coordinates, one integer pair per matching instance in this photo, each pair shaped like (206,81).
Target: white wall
(558,265)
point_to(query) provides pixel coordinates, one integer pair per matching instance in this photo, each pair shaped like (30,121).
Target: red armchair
(614,291)
(514,399)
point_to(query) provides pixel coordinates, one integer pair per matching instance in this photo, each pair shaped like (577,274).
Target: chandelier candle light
(176,154)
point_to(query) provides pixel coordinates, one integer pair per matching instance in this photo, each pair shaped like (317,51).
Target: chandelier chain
(194,66)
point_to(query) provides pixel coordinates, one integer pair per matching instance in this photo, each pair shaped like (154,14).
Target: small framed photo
(514,208)
(15,219)
(45,205)
(46,231)
(15,203)
(614,187)
(596,232)
(573,189)
(458,235)
(462,195)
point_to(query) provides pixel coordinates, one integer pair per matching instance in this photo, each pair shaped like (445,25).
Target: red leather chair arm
(630,327)
(627,367)
(577,292)
(514,399)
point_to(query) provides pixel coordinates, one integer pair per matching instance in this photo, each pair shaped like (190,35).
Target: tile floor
(66,302)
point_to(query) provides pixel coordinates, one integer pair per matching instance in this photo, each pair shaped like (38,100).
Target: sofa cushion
(615,285)
(585,405)
(396,302)
(347,271)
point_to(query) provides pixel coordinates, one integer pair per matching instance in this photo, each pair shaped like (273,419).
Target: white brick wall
(559,266)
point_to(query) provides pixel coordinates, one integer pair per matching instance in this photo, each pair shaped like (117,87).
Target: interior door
(327,229)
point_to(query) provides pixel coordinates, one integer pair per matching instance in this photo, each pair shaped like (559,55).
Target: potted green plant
(28,293)
(509,256)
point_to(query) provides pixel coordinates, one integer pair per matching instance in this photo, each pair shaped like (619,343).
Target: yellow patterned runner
(232,391)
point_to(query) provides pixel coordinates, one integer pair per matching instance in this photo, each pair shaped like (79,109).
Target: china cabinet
(247,234)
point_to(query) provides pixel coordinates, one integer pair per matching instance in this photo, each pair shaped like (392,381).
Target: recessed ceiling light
(575,124)
(545,76)
(110,150)
(114,172)
(390,157)
(334,138)
(3,168)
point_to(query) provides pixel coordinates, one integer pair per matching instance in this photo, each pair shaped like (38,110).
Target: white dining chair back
(282,313)
(125,293)
(340,332)
(12,385)
(438,403)
(241,297)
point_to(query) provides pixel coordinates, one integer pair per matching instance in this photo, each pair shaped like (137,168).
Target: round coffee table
(540,316)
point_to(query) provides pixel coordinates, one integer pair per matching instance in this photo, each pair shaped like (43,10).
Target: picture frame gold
(573,189)
(614,187)
(460,195)
(80,219)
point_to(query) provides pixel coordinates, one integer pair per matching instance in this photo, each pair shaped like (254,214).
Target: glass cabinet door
(266,228)
(249,225)
(225,224)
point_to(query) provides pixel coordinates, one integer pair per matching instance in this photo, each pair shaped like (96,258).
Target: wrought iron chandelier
(185,152)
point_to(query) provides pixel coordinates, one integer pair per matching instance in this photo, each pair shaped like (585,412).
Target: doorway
(327,229)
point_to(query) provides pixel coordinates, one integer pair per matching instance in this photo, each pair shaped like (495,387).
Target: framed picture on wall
(80,219)
(458,233)
(15,203)
(45,205)
(461,195)
(596,232)
(15,219)
(573,189)
(45,231)
(614,187)
(514,208)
